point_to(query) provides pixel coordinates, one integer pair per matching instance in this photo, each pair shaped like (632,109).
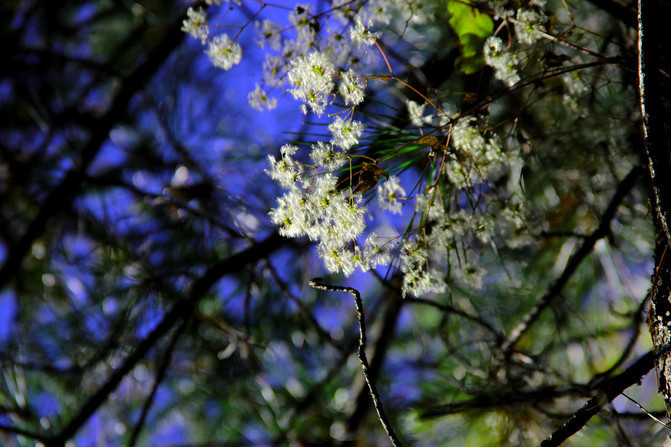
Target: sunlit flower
(351,88)
(223,52)
(390,195)
(196,24)
(312,80)
(345,132)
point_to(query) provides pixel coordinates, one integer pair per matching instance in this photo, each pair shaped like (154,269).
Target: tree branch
(180,310)
(608,391)
(574,261)
(394,302)
(317,283)
(64,192)
(160,375)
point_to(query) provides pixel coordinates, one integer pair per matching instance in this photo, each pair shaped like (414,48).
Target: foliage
(173,179)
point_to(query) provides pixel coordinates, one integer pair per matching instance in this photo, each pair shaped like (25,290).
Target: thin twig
(318,283)
(650,415)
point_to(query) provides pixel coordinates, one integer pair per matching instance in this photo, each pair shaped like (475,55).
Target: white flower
(351,88)
(260,100)
(390,194)
(416,112)
(300,18)
(345,133)
(273,65)
(530,23)
(502,61)
(324,155)
(477,157)
(223,52)
(269,32)
(361,35)
(312,78)
(291,214)
(288,150)
(466,137)
(284,170)
(196,24)
(374,252)
(417,278)
(471,275)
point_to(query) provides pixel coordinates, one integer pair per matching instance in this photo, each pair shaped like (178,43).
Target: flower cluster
(223,51)
(288,48)
(312,77)
(315,207)
(476,157)
(503,62)
(196,24)
(529,26)
(325,189)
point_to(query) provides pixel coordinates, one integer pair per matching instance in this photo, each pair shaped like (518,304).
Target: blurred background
(147,299)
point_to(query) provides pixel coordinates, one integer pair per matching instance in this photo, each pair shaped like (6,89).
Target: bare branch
(608,391)
(318,283)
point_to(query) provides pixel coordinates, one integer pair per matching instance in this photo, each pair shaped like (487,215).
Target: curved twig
(318,283)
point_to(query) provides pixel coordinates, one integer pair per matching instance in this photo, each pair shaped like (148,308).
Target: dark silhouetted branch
(608,391)
(394,303)
(63,193)
(318,284)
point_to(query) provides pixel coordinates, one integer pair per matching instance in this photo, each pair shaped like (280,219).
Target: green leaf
(472,28)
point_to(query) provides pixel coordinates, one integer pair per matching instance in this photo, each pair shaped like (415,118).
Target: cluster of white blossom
(476,157)
(223,51)
(529,25)
(312,77)
(315,204)
(317,61)
(503,62)
(196,24)
(342,39)
(316,207)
